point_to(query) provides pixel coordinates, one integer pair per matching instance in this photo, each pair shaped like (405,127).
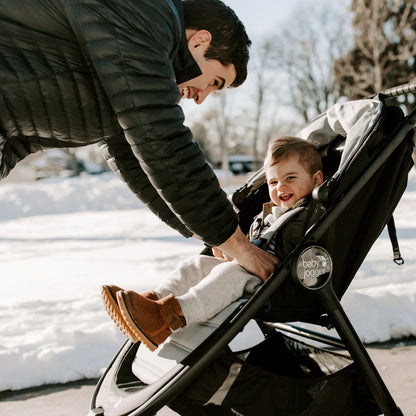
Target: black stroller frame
(149,399)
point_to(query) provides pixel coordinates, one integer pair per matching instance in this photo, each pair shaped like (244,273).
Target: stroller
(251,357)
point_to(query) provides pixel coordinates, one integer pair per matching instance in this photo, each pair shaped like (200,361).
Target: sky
(256,20)
(266,15)
(263,17)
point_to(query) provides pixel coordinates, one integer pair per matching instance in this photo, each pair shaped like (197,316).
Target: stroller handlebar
(399,90)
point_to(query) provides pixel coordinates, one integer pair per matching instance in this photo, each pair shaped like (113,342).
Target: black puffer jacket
(76,72)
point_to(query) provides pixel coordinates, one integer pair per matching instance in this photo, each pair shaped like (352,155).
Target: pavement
(395,361)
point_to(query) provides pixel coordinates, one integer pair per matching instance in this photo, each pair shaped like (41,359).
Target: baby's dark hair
(285,147)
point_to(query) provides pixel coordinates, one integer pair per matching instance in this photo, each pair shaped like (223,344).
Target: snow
(61,239)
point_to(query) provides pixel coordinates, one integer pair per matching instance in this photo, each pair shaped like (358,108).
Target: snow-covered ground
(61,239)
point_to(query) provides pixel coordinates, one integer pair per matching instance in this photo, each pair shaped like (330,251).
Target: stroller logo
(314,267)
(320,261)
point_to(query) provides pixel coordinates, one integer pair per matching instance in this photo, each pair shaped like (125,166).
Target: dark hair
(229,43)
(285,147)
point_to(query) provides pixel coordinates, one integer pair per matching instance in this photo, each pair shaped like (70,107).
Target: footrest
(148,366)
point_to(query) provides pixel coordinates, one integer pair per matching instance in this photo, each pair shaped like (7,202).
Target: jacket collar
(269,208)
(184,64)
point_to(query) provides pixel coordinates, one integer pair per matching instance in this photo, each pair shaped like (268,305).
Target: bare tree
(201,136)
(304,52)
(264,81)
(223,124)
(214,129)
(383,54)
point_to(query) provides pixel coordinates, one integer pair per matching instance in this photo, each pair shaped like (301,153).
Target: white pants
(205,285)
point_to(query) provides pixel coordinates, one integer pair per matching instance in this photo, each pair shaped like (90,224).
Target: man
(76,72)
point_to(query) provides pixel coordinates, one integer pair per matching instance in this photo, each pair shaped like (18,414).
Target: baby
(203,285)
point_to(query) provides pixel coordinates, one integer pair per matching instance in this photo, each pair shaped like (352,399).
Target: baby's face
(289,181)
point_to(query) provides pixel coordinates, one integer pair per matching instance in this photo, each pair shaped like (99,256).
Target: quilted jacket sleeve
(130,45)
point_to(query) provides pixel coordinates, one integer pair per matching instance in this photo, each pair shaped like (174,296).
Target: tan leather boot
(150,321)
(109,296)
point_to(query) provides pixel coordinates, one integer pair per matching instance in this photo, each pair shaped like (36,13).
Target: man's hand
(253,259)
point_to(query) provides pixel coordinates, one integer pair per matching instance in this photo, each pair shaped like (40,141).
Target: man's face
(215,76)
(289,181)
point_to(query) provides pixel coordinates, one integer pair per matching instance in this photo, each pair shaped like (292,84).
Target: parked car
(240,164)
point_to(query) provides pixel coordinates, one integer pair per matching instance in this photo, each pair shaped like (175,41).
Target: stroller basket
(366,149)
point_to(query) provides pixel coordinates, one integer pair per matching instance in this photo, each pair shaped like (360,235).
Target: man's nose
(202,95)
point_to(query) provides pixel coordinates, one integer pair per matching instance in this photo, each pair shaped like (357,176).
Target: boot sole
(113,310)
(133,327)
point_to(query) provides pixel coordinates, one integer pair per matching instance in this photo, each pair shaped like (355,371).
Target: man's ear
(199,38)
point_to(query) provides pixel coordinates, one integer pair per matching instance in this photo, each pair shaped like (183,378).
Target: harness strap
(264,240)
(391,227)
